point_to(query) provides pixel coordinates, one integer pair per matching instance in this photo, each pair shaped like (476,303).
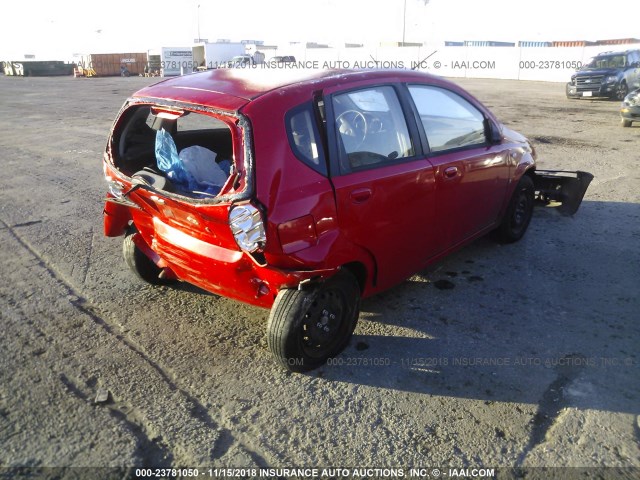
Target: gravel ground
(524,355)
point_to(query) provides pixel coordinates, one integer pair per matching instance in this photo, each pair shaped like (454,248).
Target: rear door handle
(361,195)
(451,172)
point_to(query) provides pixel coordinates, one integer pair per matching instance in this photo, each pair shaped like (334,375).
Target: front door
(471,174)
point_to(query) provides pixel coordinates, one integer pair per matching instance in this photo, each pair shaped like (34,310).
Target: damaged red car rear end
(305,194)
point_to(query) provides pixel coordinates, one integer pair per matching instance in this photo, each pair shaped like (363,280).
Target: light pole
(404,21)
(199,37)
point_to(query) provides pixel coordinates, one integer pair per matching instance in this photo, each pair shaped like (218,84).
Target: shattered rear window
(179,151)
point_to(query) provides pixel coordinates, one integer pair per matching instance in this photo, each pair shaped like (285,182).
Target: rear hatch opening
(197,155)
(196,216)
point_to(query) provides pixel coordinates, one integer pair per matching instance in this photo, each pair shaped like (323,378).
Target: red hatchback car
(305,194)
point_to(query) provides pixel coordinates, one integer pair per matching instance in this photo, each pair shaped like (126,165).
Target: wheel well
(531,172)
(359,271)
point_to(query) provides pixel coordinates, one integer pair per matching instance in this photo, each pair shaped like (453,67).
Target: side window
(449,120)
(304,138)
(371,128)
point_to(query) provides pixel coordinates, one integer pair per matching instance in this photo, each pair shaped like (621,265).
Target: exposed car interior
(134,142)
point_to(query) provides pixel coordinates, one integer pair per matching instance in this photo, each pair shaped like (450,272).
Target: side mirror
(492,132)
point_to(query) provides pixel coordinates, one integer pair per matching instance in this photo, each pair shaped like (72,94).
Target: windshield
(606,61)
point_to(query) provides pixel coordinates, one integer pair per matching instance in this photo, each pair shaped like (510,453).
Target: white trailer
(214,55)
(176,61)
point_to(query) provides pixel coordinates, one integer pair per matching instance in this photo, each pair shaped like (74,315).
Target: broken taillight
(247,227)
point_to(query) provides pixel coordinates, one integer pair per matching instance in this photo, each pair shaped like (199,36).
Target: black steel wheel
(140,263)
(519,212)
(307,327)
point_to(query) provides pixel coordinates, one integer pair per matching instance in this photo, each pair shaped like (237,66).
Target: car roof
(231,89)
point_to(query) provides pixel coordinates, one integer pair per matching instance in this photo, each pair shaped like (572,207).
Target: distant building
(534,44)
(487,43)
(574,43)
(401,44)
(316,45)
(618,41)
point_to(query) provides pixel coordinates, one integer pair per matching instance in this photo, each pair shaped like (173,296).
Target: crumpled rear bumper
(222,271)
(562,187)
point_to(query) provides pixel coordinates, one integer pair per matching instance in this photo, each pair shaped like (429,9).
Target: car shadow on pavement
(548,319)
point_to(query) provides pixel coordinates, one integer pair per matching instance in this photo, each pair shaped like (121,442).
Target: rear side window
(449,120)
(304,138)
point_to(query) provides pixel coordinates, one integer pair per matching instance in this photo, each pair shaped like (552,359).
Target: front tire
(621,91)
(625,123)
(306,327)
(519,212)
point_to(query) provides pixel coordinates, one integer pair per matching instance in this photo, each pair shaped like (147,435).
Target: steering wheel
(352,125)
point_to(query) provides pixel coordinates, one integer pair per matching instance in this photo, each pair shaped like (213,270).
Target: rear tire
(141,265)
(307,327)
(519,212)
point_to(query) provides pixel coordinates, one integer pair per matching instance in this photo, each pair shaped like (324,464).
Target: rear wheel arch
(140,263)
(357,259)
(359,271)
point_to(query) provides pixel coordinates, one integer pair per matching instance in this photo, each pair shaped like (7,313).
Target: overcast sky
(58,29)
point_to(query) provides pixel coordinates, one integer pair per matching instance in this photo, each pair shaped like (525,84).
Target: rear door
(471,175)
(384,186)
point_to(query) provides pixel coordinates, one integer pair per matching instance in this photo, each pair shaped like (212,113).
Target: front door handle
(361,195)
(451,172)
